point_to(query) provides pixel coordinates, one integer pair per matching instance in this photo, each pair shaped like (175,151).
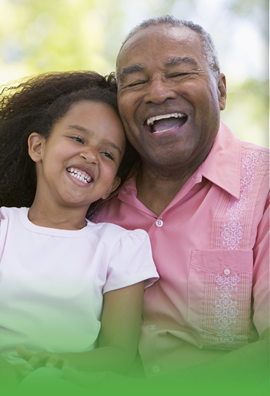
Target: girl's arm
(119,335)
(118,339)
(9,374)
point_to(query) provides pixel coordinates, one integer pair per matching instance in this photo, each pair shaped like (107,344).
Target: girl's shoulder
(128,253)
(115,232)
(8,213)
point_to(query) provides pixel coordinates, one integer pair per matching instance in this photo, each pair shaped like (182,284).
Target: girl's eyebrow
(78,127)
(107,141)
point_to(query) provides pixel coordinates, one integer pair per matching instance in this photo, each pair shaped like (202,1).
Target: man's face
(168,98)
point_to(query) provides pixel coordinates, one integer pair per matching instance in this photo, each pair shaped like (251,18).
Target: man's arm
(245,367)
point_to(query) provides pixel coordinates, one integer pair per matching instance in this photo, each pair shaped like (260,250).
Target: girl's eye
(78,139)
(108,155)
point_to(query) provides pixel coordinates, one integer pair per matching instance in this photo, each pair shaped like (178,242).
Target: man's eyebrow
(107,141)
(171,62)
(180,60)
(130,69)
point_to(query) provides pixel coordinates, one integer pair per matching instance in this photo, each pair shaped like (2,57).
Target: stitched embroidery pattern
(233,231)
(225,310)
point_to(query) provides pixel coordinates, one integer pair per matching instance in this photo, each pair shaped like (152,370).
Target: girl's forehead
(91,112)
(97,119)
(91,106)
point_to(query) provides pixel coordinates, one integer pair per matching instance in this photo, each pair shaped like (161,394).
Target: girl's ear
(35,146)
(115,184)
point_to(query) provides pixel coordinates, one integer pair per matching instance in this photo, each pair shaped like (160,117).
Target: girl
(69,289)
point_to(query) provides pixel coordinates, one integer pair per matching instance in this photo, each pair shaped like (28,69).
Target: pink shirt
(211,249)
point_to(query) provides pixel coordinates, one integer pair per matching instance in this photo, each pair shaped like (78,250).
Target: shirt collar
(223,164)
(129,187)
(221,167)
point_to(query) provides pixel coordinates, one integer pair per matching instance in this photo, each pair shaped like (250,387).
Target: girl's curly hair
(35,105)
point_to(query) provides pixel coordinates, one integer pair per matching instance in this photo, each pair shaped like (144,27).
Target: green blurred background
(44,35)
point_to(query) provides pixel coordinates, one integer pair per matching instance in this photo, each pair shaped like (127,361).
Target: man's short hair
(209,47)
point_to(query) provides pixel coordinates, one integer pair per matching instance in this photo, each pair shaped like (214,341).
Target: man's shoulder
(254,147)
(254,156)
(232,152)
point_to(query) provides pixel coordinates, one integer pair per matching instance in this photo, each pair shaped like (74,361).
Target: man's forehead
(155,33)
(162,31)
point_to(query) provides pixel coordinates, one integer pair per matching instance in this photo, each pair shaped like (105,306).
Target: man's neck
(156,190)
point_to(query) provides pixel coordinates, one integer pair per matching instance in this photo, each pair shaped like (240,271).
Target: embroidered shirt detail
(225,310)
(233,231)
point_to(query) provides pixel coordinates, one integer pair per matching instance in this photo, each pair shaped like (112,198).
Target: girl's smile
(77,164)
(80,175)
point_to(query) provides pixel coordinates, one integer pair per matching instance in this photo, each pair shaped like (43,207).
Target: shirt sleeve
(3,231)
(131,262)
(261,274)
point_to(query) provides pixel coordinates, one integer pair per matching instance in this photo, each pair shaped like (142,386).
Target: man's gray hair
(209,47)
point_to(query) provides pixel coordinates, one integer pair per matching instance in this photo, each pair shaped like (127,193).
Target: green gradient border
(155,387)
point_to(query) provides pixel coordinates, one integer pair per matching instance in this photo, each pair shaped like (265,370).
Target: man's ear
(115,184)
(35,146)
(222,91)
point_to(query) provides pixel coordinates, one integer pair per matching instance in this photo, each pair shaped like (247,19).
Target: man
(202,194)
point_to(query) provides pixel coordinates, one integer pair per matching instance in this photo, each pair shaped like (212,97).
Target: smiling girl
(69,288)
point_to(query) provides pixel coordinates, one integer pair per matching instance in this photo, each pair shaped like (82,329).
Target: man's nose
(159,90)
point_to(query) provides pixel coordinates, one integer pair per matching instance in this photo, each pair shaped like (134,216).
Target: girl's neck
(51,217)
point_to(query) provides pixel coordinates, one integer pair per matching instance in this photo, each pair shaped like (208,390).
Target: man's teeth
(151,120)
(80,175)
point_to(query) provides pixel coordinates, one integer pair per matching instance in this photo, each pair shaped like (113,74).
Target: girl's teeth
(79,175)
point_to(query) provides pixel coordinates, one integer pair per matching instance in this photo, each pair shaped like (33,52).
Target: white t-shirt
(52,281)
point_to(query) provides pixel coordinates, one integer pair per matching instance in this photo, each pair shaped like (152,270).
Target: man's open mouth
(166,122)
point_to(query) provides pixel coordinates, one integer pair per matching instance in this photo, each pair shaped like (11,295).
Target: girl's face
(77,164)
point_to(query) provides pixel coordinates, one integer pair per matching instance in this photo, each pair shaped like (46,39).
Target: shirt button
(227,271)
(159,223)
(156,369)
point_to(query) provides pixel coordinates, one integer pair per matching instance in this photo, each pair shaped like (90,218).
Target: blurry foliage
(64,34)
(249,102)
(53,35)
(253,7)
(38,36)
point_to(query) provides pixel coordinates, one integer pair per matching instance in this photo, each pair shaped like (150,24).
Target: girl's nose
(90,156)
